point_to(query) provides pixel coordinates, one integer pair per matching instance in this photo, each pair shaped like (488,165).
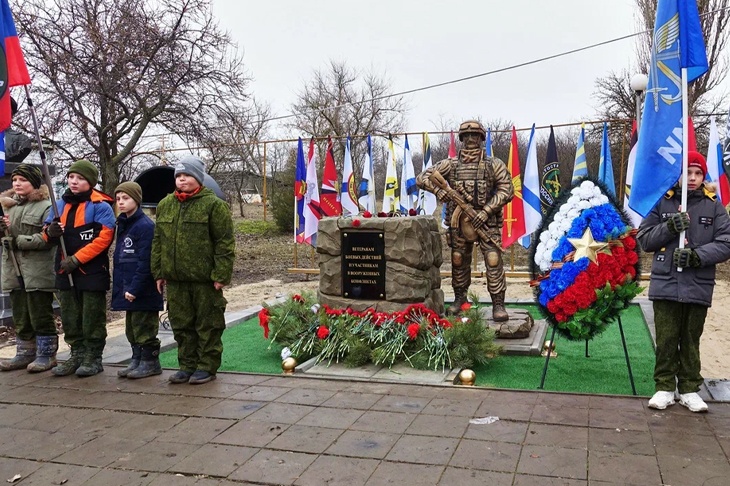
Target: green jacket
(35,257)
(193,240)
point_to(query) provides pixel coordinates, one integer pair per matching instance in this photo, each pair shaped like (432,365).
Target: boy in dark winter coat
(192,254)
(681,298)
(27,205)
(133,288)
(87,226)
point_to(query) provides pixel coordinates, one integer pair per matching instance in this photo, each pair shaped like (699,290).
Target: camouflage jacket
(486,184)
(193,240)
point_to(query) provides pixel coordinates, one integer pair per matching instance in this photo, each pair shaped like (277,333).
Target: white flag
(347,189)
(531,191)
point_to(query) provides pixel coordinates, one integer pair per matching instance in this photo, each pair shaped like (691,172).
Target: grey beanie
(192,166)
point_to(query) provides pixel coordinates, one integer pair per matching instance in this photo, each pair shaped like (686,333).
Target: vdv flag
(714,164)
(330,200)
(514,213)
(629,181)
(390,195)
(488,144)
(300,190)
(312,210)
(427,201)
(580,168)
(13,71)
(408,188)
(366,194)
(347,189)
(605,166)
(677,44)
(531,191)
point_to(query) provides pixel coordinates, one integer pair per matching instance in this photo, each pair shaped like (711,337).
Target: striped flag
(390,194)
(726,148)
(714,164)
(366,193)
(514,213)
(605,166)
(488,144)
(633,215)
(312,210)
(427,201)
(330,200)
(347,189)
(580,168)
(300,190)
(408,188)
(531,191)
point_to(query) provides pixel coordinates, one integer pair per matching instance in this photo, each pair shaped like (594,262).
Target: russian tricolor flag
(13,71)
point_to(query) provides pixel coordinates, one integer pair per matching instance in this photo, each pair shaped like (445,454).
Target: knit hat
(132,189)
(85,169)
(192,166)
(29,172)
(695,159)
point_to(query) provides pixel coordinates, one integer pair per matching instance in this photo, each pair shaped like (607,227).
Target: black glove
(686,257)
(69,264)
(9,243)
(678,222)
(54,229)
(3,225)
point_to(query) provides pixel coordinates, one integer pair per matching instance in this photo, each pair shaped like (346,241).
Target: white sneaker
(693,402)
(662,399)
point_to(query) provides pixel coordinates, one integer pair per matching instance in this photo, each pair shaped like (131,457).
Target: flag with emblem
(330,199)
(513,227)
(312,209)
(390,194)
(550,180)
(300,190)
(408,188)
(347,189)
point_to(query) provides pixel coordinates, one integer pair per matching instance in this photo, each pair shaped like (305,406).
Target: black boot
(73,362)
(149,364)
(459,300)
(91,364)
(24,355)
(136,356)
(45,355)
(499,313)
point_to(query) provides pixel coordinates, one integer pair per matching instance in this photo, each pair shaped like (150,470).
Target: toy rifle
(463,208)
(12,256)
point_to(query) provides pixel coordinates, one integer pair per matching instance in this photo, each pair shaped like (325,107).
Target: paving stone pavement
(297,430)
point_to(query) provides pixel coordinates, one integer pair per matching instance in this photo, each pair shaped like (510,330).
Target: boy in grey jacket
(681,298)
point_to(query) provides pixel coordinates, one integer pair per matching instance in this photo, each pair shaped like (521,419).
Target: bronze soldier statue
(475,188)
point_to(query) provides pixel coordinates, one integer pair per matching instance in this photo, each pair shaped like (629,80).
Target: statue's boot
(499,313)
(459,300)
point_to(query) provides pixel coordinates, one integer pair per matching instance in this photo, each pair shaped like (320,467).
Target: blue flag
(605,166)
(488,144)
(677,44)
(300,189)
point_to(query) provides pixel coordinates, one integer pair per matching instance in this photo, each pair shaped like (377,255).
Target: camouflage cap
(472,126)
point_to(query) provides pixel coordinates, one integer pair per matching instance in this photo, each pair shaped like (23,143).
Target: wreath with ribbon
(586,261)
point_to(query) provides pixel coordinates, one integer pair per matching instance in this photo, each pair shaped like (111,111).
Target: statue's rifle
(463,206)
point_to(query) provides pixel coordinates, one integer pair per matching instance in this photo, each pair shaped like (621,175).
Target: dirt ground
(261,273)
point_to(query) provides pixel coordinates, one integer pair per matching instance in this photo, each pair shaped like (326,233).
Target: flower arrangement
(586,262)
(416,335)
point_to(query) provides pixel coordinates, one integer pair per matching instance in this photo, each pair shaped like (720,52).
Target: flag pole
(46,173)
(685,139)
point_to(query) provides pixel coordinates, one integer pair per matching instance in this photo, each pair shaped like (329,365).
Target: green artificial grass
(604,372)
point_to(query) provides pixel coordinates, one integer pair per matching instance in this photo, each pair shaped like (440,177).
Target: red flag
(691,137)
(514,212)
(330,198)
(452,146)
(13,71)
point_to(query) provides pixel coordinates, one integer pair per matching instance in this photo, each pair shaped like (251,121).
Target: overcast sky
(417,43)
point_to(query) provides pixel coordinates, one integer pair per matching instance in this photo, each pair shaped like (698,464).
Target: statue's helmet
(472,126)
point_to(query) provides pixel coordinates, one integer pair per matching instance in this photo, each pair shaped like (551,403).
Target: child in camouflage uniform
(192,255)
(133,288)
(87,226)
(681,299)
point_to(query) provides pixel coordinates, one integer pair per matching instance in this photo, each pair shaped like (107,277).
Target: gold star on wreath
(586,246)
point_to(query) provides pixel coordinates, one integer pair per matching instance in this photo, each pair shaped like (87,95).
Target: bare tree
(341,101)
(616,98)
(107,71)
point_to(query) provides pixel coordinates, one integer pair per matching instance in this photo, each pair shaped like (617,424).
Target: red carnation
(367,214)
(382,214)
(264,321)
(413,331)
(412,212)
(323,332)
(297,298)
(465,306)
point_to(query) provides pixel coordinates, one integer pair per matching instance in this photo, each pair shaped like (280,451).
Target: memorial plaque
(363,265)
